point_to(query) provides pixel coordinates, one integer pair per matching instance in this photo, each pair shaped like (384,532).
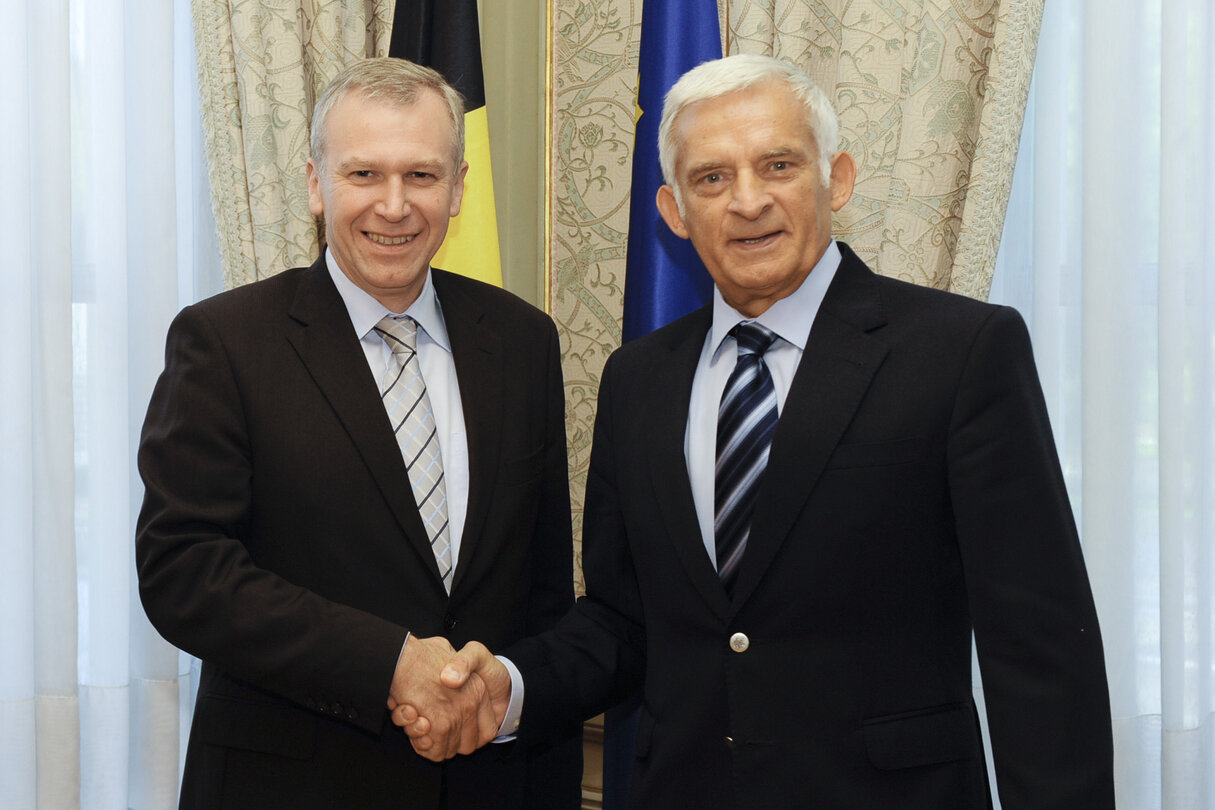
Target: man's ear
(670,211)
(843,178)
(457,196)
(316,203)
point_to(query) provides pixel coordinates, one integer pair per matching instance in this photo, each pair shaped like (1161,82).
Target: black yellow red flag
(445,35)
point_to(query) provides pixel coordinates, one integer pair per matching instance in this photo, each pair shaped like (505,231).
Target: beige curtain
(261,64)
(931,95)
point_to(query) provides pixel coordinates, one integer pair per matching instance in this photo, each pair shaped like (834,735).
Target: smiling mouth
(757,240)
(387,240)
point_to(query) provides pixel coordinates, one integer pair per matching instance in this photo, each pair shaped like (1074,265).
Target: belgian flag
(444,35)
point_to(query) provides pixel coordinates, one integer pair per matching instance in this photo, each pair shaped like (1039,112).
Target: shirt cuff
(514,710)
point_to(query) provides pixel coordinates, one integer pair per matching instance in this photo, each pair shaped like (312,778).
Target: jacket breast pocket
(877,454)
(925,737)
(523,469)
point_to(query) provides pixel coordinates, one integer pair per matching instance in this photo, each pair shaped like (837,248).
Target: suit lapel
(665,410)
(326,344)
(836,368)
(477,352)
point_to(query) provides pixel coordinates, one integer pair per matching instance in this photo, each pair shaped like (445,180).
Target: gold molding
(592,767)
(548,157)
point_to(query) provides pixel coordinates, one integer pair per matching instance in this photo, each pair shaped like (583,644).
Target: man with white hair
(802,501)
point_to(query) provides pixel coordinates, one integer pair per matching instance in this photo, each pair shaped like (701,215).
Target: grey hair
(393,81)
(729,74)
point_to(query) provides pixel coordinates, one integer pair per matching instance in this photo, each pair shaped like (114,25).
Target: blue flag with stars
(664,278)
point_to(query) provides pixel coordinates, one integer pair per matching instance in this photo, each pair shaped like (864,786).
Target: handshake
(448,702)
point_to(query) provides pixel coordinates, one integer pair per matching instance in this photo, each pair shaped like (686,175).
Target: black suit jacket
(280,543)
(912,493)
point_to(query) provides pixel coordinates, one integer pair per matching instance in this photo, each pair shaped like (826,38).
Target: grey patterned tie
(404,393)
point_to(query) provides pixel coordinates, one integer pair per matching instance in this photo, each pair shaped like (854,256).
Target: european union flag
(664,277)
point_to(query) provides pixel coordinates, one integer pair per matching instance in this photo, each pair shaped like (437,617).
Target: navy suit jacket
(912,494)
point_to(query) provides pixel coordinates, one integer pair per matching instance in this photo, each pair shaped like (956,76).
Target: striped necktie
(746,421)
(404,393)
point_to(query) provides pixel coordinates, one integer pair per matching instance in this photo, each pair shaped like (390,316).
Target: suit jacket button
(336,709)
(739,642)
(449,622)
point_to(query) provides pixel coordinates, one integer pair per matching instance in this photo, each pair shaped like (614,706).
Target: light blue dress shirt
(790,318)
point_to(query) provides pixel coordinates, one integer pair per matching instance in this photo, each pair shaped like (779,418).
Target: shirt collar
(792,316)
(365,311)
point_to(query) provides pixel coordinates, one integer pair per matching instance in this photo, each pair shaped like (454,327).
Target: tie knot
(401,334)
(752,338)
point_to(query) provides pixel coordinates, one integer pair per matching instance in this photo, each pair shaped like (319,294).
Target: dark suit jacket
(280,543)
(913,493)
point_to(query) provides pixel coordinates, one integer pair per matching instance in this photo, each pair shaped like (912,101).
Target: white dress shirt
(790,318)
(439,371)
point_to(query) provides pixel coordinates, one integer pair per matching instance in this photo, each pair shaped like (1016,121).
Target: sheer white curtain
(107,235)
(1109,251)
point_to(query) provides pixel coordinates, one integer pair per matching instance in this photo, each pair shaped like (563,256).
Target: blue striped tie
(746,421)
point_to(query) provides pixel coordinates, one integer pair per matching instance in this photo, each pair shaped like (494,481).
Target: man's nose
(394,202)
(750,195)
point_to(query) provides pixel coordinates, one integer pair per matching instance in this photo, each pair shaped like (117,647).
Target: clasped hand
(448,702)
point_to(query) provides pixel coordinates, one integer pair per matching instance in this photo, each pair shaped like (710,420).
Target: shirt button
(739,642)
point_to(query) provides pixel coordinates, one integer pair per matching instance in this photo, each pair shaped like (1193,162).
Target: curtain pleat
(38,710)
(261,65)
(100,207)
(1109,252)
